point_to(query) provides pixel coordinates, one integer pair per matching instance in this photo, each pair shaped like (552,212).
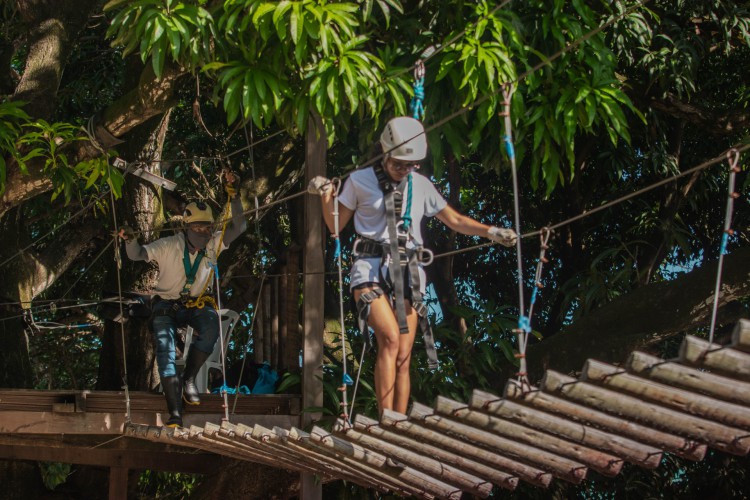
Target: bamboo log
(377,461)
(741,335)
(604,463)
(678,445)
(687,402)
(210,436)
(688,378)
(461,448)
(340,468)
(716,435)
(561,467)
(365,433)
(697,352)
(383,480)
(632,451)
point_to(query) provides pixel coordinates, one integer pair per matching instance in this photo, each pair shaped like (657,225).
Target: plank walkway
(560,430)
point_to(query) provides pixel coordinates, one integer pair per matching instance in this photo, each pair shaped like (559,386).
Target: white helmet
(404,138)
(197,212)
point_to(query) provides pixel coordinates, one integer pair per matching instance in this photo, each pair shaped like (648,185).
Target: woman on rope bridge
(186,262)
(388,201)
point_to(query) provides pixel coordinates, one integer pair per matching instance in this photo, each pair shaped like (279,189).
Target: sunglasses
(404,166)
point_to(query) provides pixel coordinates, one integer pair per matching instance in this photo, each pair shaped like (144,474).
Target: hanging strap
(394,266)
(421,310)
(363,313)
(190,270)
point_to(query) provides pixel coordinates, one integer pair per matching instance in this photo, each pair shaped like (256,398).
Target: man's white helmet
(404,138)
(198,212)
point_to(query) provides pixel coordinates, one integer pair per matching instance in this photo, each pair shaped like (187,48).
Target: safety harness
(402,260)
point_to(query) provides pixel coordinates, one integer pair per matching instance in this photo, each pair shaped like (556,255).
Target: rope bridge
(562,429)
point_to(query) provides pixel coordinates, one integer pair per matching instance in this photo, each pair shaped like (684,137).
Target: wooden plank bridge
(560,430)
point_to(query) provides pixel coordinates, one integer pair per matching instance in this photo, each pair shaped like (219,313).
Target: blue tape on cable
(524,324)
(533,295)
(216,269)
(348,380)
(509,147)
(337,250)
(724,241)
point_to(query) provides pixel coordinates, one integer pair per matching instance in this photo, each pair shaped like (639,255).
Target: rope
(118,261)
(215,267)
(345,378)
(733,157)
(417,101)
(524,327)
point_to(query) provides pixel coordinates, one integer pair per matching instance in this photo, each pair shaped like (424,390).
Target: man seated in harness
(186,262)
(388,202)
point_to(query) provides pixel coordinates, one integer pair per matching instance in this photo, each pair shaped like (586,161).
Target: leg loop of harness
(363,313)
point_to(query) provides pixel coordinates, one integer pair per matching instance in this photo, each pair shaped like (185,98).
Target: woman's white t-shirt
(361,193)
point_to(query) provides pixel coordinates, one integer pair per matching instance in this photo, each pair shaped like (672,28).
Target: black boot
(193,363)
(172,393)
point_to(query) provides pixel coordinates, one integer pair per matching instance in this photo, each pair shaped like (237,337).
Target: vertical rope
(118,261)
(221,340)
(733,157)
(524,328)
(345,378)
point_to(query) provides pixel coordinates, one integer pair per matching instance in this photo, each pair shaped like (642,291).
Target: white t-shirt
(361,193)
(168,253)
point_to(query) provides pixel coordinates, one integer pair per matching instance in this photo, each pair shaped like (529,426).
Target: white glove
(320,185)
(504,236)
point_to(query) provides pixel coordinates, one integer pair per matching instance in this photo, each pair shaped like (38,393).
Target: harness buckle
(425,256)
(355,247)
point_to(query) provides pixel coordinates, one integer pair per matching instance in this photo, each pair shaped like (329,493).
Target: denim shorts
(369,269)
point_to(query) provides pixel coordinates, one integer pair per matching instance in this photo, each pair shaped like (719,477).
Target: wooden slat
(678,375)
(498,477)
(604,463)
(460,447)
(691,403)
(382,480)
(332,465)
(741,335)
(632,451)
(724,360)
(425,463)
(561,467)
(679,445)
(716,435)
(373,461)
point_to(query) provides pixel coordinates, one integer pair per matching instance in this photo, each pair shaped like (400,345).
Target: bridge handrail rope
(733,158)
(740,148)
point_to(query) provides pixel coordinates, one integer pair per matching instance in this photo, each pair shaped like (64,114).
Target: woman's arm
(466,225)
(324,188)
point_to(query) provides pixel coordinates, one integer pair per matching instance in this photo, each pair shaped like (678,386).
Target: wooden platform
(87,427)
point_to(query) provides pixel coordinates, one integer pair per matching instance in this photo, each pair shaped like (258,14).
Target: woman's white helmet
(198,212)
(404,138)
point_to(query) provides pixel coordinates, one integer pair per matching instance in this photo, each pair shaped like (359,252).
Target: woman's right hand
(321,186)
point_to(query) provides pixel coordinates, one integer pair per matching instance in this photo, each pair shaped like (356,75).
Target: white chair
(229,319)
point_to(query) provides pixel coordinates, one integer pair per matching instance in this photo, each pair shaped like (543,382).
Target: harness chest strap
(190,269)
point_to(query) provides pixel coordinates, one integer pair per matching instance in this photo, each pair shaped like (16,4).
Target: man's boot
(172,393)
(193,363)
